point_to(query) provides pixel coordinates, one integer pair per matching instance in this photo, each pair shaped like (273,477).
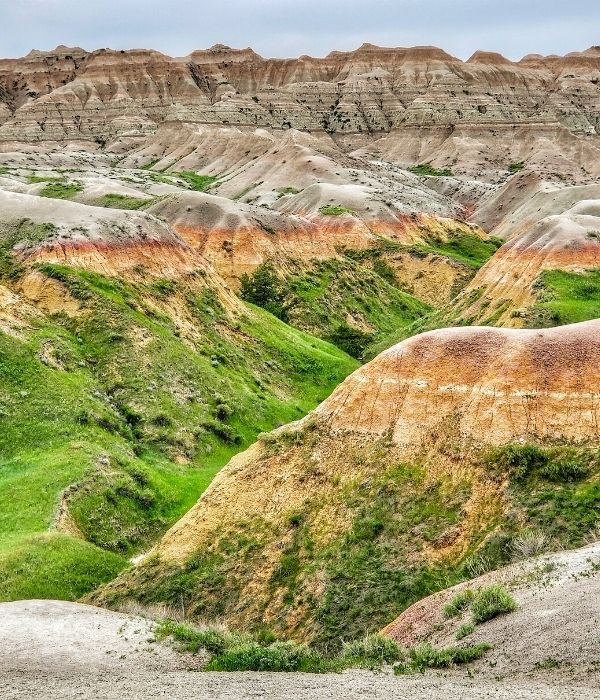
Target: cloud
(293,27)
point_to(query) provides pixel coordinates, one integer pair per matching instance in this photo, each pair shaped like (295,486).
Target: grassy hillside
(373,534)
(340,300)
(127,409)
(565,297)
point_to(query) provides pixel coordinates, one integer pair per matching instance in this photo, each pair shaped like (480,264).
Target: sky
(287,28)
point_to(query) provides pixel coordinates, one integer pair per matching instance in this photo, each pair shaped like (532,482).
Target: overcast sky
(293,27)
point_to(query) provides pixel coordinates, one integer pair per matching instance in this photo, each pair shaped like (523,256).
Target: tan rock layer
(370,90)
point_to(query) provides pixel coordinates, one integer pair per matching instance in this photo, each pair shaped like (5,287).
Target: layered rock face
(548,227)
(405,429)
(73,94)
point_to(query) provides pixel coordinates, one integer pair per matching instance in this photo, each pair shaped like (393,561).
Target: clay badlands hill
(198,250)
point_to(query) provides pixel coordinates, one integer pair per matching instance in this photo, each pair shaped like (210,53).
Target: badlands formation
(196,256)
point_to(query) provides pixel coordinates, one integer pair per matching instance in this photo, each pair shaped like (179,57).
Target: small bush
(516,167)
(519,461)
(491,601)
(567,467)
(529,543)
(464,630)
(461,601)
(426,656)
(428,170)
(371,650)
(279,656)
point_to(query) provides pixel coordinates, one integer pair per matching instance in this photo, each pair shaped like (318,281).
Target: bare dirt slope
(554,632)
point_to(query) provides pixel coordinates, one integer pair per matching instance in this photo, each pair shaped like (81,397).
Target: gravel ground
(292,686)
(56,650)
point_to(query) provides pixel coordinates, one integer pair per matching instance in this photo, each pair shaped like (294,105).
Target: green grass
(491,601)
(121,201)
(465,248)
(464,630)
(335,210)
(564,298)
(235,651)
(460,602)
(54,566)
(87,409)
(319,300)
(61,190)
(34,179)
(516,167)
(194,181)
(425,656)
(484,603)
(428,170)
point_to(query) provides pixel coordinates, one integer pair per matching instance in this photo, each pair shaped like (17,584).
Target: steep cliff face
(373,90)
(386,488)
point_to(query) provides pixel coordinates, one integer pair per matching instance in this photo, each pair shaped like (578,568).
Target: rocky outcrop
(73,94)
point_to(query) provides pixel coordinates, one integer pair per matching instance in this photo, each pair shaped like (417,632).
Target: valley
(292,350)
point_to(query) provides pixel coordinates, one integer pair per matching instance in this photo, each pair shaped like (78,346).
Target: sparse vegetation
(425,656)
(516,167)
(491,601)
(335,210)
(61,190)
(122,201)
(428,170)
(199,183)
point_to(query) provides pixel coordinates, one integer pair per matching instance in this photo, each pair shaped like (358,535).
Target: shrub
(264,288)
(461,601)
(426,656)
(518,460)
(529,543)
(351,340)
(565,467)
(428,170)
(491,601)
(516,167)
(371,650)
(279,656)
